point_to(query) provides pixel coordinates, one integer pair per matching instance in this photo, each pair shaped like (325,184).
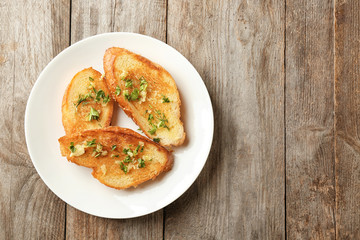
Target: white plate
(74,184)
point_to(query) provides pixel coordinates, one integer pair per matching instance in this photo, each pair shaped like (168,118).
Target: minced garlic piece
(79,150)
(103,169)
(143,97)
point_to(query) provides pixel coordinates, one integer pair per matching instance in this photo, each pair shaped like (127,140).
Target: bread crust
(123,138)
(159,80)
(74,118)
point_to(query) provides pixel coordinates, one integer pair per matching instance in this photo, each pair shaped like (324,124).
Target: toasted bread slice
(147,93)
(120,158)
(86,103)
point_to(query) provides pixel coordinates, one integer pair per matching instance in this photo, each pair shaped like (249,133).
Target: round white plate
(75,184)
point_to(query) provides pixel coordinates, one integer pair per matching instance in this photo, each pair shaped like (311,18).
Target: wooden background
(284,79)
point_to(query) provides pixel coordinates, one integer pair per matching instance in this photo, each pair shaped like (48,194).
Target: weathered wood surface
(283,76)
(238,49)
(347,112)
(89,18)
(28,209)
(310,179)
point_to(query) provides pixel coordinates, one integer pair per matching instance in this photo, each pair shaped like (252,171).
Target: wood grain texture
(347,86)
(90,18)
(238,49)
(29,210)
(310,191)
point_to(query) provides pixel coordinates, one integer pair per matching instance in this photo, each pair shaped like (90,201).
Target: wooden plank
(89,18)
(31,34)
(310,192)
(238,49)
(347,109)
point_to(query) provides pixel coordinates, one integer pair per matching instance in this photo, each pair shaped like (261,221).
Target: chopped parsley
(93,115)
(142,149)
(91,79)
(113,147)
(137,150)
(106,99)
(135,94)
(115,155)
(127,159)
(152,131)
(165,99)
(128,83)
(117,90)
(98,148)
(126,95)
(143,84)
(91,143)
(162,120)
(82,98)
(72,147)
(141,163)
(126,150)
(99,94)
(156,140)
(123,167)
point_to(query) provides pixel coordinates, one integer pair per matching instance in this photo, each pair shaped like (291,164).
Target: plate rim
(183,189)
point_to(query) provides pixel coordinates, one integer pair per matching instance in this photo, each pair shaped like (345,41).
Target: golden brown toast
(147,93)
(120,158)
(86,103)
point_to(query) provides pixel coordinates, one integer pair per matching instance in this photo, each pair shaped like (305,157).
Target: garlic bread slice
(147,93)
(120,158)
(86,103)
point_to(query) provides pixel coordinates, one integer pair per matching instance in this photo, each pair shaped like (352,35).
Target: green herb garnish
(115,155)
(165,99)
(156,140)
(98,148)
(128,83)
(123,167)
(150,117)
(93,115)
(91,143)
(98,154)
(82,98)
(135,94)
(142,149)
(72,147)
(117,90)
(91,79)
(99,94)
(127,95)
(126,150)
(143,84)
(137,150)
(162,120)
(141,163)
(153,129)
(106,99)
(127,159)
(113,147)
